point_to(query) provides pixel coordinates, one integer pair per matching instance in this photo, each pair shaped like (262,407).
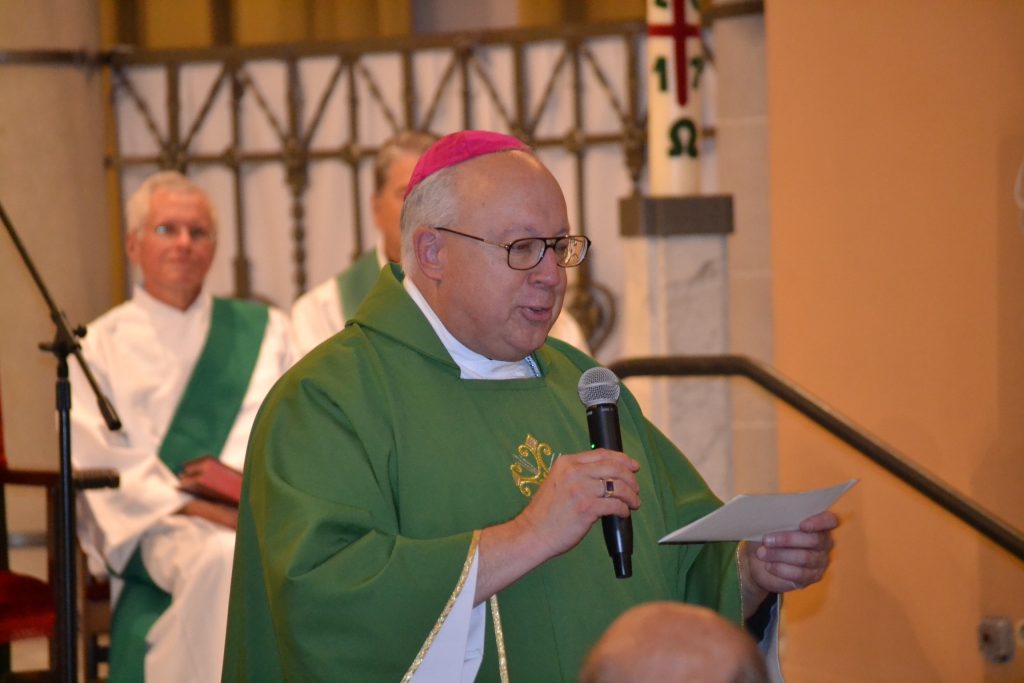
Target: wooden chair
(28,604)
(94,622)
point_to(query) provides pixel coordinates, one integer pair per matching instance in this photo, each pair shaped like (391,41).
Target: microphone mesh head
(597,386)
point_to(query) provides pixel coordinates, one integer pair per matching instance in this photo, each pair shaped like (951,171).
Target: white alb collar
(140,296)
(471,364)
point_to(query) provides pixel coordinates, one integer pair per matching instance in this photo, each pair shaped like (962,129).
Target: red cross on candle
(679,31)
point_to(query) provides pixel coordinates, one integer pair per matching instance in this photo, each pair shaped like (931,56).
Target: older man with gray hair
(422,493)
(186,372)
(323,310)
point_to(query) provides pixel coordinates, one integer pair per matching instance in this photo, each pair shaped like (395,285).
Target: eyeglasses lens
(196,233)
(526,253)
(571,250)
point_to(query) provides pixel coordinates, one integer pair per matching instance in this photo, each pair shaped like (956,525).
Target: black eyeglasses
(525,253)
(197,233)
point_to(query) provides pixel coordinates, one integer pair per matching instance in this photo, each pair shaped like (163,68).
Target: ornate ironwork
(467,83)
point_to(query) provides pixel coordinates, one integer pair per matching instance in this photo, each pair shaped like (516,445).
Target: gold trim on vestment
(466,567)
(499,639)
(739,577)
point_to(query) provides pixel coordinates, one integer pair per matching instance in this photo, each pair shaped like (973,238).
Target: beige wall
(896,130)
(52,187)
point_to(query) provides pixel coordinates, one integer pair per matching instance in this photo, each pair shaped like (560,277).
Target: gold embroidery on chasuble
(533,460)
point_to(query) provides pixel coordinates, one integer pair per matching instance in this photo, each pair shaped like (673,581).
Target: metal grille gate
(315,115)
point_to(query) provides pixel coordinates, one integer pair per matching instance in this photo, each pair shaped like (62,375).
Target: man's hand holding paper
(786,538)
(787,560)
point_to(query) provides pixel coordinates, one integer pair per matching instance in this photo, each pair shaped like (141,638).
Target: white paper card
(749,518)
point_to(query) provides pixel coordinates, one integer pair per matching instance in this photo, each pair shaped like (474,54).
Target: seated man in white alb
(187,373)
(323,310)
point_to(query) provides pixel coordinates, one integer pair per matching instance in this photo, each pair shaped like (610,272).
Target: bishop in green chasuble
(409,467)
(370,468)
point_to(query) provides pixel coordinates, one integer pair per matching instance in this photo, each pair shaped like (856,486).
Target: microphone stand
(65,343)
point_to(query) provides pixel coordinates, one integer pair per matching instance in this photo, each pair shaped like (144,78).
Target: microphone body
(603,423)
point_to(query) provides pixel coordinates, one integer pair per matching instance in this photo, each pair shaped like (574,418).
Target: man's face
(174,248)
(387,204)
(499,312)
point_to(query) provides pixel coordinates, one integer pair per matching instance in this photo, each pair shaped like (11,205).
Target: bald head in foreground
(671,642)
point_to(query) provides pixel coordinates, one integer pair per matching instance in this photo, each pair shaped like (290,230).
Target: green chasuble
(202,421)
(370,467)
(356,282)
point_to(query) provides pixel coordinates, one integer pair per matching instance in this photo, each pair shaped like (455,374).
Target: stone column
(708,292)
(676,303)
(676,299)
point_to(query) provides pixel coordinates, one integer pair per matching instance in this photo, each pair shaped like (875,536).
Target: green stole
(356,282)
(201,424)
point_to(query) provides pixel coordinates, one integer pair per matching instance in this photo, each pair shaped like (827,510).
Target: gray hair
(434,203)
(139,204)
(406,142)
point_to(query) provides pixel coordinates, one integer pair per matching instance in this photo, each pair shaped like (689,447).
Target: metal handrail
(983,521)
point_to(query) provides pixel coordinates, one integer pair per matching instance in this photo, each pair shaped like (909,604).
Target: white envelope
(749,518)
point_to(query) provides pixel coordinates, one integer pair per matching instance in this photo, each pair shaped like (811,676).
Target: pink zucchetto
(455,148)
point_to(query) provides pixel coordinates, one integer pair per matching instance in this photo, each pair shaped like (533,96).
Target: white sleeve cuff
(458,648)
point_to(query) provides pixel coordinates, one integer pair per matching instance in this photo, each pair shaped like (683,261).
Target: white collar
(471,364)
(153,305)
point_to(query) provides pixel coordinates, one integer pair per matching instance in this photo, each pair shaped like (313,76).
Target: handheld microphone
(599,392)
